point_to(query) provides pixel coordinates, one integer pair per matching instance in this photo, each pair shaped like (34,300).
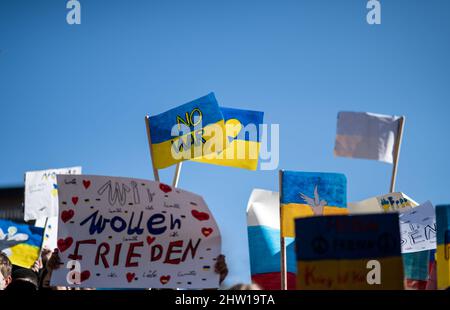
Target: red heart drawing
(67,215)
(164,279)
(150,239)
(75,200)
(86,184)
(201,216)
(64,244)
(130,276)
(165,188)
(85,275)
(206,231)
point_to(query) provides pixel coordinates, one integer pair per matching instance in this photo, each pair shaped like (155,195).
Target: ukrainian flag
(443,246)
(201,120)
(333,252)
(20,242)
(244,139)
(305,194)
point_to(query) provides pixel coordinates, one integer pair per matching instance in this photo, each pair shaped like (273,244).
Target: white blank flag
(366,135)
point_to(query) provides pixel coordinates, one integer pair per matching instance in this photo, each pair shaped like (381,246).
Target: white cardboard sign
(418,228)
(41,192)
(134,233)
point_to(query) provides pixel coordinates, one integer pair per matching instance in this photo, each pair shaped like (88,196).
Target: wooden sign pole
(176,177)
(398,145)
(283,262)
(155,171)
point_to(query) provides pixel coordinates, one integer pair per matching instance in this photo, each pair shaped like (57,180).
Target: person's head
(5,271)
(23,279)
(45,282)
(245,287)
(46,253)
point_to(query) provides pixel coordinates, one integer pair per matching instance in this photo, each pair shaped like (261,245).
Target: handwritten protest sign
(386,203)
(134,233)
(41,192)
(418,229)
(333,252)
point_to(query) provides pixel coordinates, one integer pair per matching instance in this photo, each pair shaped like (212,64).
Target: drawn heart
(86,184)
(75,200)
(206,231)
(64,244)
(164,279)
(165,188)
(150,239)
(201,216)
(67,215)
(85,275)
(130,276)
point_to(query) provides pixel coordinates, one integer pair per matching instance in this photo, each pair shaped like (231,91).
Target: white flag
(366,135)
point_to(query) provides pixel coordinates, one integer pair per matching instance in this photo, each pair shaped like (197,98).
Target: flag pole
(176,177)
(283,263)
(398,145)
(155,171)
(43,238)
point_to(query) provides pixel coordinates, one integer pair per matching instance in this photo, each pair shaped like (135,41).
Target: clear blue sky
(77,95)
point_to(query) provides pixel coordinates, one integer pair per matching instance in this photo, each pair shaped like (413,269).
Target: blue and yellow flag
(187,132)
(244,139)
(306,194)
(443,246)
(20,242)
(359,252)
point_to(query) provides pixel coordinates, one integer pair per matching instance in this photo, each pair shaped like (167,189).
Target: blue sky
(77,95)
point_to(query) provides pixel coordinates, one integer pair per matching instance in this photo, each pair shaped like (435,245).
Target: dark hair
(24,279)
(5,265)
(21,285)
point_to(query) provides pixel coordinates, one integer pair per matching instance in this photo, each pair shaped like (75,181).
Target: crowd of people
(14,278)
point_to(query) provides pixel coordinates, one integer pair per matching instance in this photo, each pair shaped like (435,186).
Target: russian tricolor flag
(263,220)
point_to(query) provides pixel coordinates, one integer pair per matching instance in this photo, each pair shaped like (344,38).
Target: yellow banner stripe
(239,154)
(349,274)
(443,265)
(213,133)
(291,211)
(24,255)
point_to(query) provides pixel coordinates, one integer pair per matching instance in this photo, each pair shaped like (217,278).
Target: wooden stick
(398,145)
(43,237)
(155,171)
(176,177)
(283,262)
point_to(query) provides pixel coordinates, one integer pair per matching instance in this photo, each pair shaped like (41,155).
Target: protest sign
(20,242)
(134,233)
(41,192)
(339,252)
(443,246)
(418,228)
(311,193)
(415,264)
(385,203)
